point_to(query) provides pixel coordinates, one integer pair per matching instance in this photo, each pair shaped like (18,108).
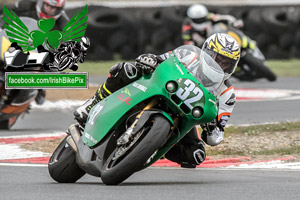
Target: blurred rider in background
(199,21)
(42,9)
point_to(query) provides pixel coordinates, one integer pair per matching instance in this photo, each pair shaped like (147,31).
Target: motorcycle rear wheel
(261,69)
(116,171)
(62,165)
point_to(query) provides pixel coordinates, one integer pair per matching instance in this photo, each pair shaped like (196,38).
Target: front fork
(125,138)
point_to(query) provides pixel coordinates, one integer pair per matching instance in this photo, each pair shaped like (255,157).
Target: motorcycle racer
(190,151)
(44,9)
(199,21)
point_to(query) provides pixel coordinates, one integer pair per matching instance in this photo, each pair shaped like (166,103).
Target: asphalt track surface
(33,182)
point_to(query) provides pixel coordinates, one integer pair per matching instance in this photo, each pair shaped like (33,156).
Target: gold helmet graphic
(225,50)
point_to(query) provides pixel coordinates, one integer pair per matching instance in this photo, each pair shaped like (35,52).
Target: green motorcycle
(135,126)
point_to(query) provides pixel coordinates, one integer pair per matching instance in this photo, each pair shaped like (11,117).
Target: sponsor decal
(179,69)
(139,86)
(126,91)
(123,97)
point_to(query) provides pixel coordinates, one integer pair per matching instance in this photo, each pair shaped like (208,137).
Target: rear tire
(62,165)
(259,67)
(114,172)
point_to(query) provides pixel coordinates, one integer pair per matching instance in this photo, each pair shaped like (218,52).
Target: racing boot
(81,113)
(41,96)
(189,151)
(120,75)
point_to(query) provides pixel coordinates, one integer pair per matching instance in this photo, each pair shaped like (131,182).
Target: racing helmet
(225,50)
(56,6)
(197,13)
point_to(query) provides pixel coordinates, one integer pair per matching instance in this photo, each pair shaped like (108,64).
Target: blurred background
(125,29)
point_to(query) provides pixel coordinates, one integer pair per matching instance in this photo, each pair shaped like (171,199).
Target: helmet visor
(198,20)
(51,10)
(227,64)
(210,74)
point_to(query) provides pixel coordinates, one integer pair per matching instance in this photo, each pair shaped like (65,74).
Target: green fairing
(108,113)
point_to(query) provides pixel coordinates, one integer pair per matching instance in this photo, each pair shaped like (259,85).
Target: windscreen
(202,67)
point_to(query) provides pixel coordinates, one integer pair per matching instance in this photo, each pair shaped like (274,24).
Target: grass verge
(285,68)
(260,140)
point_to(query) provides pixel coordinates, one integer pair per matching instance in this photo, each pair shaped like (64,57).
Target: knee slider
(195,154)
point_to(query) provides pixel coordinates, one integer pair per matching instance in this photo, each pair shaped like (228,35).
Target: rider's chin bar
(23,80)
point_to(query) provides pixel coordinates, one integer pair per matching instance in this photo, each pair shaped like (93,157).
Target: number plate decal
(189,93)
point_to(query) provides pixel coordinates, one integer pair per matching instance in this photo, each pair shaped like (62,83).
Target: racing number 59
(183,94)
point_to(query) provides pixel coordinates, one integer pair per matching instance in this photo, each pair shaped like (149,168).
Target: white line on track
(23,165)
(53,134)
(14,151)
(269,165)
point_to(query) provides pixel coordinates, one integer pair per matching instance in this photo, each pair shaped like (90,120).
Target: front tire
(6,124)
(114,172)
(62,165)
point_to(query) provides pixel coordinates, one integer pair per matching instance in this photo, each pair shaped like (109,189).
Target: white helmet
(197,13)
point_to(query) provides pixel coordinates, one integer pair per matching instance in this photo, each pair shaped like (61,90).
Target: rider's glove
(147,63)
(238,23)
(213,133)
(198,40)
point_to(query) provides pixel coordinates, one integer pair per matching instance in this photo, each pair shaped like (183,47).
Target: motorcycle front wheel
(62,165)
(116,170)
(6,124)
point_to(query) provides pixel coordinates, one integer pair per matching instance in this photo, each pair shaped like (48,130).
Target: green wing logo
(76,27)
(17,31)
